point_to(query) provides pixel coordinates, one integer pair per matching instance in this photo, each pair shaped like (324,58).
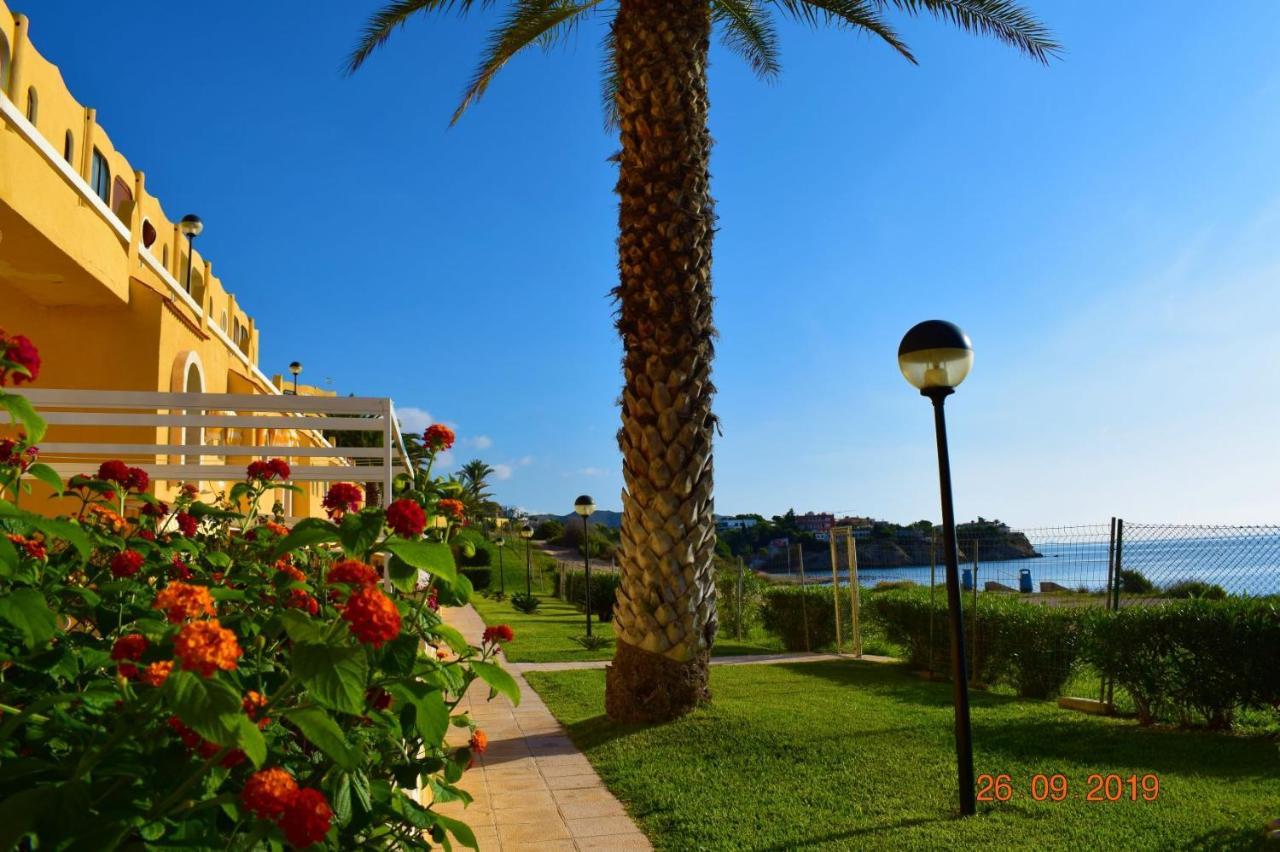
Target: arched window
(164,258)
(235,330)
(224,321)
(4,63)
(68,147)
(33,105)
(148,233)
(101,178)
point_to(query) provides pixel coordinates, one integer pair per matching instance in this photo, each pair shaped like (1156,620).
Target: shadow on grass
(836,837)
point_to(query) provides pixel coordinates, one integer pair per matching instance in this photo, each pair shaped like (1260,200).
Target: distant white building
(734,523)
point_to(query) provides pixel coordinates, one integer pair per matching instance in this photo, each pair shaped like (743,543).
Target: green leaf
(47,475)
(431,556)
(27,610)
(360,530)
(249,738)
(335,676)
(8,557)
(431,715)
(501,682)
(323,732)
(204,510)
(305,533)
(399,655)
(22,412)
(402,575)
(452,637)
(218,559)
(341,798)
(458,829)
(208,706)
(53,528)
(300,627)
(219,593)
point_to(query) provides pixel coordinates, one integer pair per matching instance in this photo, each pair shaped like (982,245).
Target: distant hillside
(603,517)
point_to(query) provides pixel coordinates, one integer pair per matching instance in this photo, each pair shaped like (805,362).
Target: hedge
(604,587)
(789,610)
(480,577)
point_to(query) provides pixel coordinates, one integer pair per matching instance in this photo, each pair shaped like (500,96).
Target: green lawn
(858,755)
(548,634)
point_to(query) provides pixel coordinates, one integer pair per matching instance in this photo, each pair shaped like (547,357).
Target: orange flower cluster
(352,572)
(479,742)
(278,529)
(302,813)
(33,547)
(206,646)
(372,616)
(107,518)
(285,566)
(449,506)
(438,437)
(253,703)
(180,601)
(157,673)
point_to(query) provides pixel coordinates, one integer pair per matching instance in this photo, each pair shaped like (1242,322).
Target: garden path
(533,789)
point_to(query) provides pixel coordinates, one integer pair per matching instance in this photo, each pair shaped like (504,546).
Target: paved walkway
(734,660)
(533,789)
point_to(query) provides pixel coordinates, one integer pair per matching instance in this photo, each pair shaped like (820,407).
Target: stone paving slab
(532,788)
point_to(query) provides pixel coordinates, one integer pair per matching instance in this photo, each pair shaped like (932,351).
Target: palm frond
(748,31)
(1004,20)
(609,83)
(529,22)
(388,19)
(856,14)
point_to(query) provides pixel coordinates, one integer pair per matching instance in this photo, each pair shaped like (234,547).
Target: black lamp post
(526,533)
(935,356)
(499,543)
(191,226)
(585,506)
(295,367)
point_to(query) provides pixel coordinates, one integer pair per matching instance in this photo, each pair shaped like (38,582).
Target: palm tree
(655,87)
(474,475)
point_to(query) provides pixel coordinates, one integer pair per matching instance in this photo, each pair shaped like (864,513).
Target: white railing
(202,428)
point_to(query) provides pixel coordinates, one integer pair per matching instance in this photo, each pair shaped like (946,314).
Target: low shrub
(526,603)
(1135,583)
(480,577)
(886,585)
(470,550)
(738,617)
(604,589)
(803,617)
(548,530)
(1195,589)
(1032,648)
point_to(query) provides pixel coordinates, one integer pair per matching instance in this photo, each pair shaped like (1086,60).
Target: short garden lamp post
(526,533)
(500,543)
(295,367)
(935,356)
(191,226)
(585,506)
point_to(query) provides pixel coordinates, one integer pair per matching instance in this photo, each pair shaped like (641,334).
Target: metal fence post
(933,586)
(738,622)
(804,608)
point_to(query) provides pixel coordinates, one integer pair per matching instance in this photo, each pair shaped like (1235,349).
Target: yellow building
(104,282)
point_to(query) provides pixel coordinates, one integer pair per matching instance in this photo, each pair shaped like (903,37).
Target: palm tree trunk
(665,618)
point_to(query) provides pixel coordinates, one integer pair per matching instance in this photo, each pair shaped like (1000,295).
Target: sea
(1241,562)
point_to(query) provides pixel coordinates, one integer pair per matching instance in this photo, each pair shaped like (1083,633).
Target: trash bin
(1024,581)
(966,579)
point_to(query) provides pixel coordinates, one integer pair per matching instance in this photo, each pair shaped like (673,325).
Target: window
(121,200)
(68,147)
(33,105)
(101,177)
(224,321)
(4,64)
(164,257)
(148,233)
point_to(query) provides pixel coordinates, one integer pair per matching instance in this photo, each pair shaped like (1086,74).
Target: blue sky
(1107,230)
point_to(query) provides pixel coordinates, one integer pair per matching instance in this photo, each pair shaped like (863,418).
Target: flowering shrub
(193,675)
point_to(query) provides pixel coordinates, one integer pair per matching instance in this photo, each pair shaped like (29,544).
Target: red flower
(128,671)
(266,470)
(343,497)
(190,489)
(298,599)
(137,480)
(187,524)
(438,437)
(114,471)
(433,600)
(9,453)
(498,633)
(33,547)
(158,509)
(378,698)
(452,507)
(406,518)
(306,818)
(179,569)
(20,352)
(126,563)
(147,535)
(130,647)
(189,738)
(267,792)
(253,703)
(353,573)
(374,619)
(285,566)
